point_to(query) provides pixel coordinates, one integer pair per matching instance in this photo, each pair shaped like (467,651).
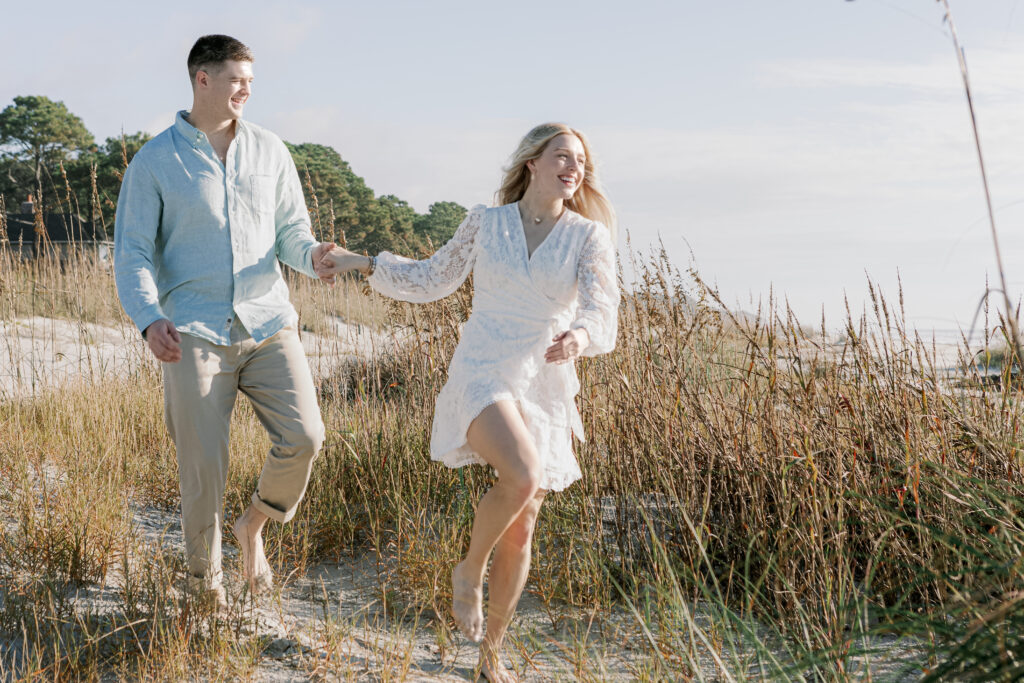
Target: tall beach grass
(757,498)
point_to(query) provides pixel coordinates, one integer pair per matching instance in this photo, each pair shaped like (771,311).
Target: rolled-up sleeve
(136,224)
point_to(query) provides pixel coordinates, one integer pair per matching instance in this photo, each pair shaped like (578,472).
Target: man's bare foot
(467,603)
(492,669)
(248,529)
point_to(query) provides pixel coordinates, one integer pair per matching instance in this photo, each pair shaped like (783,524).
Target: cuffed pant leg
(277,380)
(199,395)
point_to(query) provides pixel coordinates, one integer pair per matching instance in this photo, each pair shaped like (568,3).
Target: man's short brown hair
(214,50)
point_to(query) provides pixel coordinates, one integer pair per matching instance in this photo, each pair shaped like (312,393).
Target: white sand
(42,354)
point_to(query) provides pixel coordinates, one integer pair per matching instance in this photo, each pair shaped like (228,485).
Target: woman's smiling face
(560,168)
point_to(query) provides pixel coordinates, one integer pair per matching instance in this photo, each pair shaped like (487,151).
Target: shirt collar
(193,134)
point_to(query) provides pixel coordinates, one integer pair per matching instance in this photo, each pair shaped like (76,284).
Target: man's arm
(139,208)
(295,244)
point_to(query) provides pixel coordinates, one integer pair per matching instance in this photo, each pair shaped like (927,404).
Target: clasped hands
(330,261)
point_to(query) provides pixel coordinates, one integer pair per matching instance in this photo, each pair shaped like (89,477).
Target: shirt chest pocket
(262,191)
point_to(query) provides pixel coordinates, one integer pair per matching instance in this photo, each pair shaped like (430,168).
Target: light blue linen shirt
(198,242)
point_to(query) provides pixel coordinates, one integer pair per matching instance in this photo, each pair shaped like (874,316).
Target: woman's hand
(338,261)
(567,345)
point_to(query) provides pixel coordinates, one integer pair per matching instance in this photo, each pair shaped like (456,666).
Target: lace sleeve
(433,278)
(598,293)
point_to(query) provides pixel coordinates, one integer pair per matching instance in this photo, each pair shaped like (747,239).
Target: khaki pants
(199,396)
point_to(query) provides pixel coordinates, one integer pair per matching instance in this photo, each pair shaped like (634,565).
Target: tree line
(47,152)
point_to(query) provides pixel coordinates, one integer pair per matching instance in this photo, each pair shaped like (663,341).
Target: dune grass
(757,501)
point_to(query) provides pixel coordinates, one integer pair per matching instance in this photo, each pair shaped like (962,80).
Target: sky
(795,147)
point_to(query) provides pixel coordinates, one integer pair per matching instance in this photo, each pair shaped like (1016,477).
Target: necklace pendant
(536,220)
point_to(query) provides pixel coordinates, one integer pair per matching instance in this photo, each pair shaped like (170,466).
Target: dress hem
(552,480)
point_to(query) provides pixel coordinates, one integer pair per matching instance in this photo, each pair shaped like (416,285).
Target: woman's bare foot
(492,669)
(467,603)
(248,529)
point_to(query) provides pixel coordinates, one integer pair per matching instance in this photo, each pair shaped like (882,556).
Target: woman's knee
(520,533)
(525,480)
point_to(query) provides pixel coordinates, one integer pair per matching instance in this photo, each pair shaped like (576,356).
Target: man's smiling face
(226,87)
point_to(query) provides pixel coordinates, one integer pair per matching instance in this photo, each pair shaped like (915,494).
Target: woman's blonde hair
(588,201)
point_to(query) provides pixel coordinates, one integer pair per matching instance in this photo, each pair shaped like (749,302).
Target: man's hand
(319,252)
(338,261)
(567,345)
(164,341)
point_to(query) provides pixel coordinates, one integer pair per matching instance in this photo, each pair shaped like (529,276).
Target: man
(206,210)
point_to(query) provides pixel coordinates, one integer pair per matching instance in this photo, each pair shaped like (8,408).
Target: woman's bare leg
(509,569)
(499,436)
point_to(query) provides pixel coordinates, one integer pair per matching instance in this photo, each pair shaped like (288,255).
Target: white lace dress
(519,303)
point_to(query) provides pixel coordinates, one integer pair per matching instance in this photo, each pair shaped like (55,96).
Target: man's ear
(202,79)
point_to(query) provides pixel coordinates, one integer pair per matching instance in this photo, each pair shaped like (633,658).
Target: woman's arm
(410,280)
(597,315)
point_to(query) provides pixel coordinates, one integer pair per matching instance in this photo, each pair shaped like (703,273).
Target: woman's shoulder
(482,212)
(591,236)
(586,226)
(501,209)
(475,218)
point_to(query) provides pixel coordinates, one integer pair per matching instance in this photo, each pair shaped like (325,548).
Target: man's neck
(220,132)
(212,125)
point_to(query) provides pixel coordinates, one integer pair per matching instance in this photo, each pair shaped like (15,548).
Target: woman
(545,293)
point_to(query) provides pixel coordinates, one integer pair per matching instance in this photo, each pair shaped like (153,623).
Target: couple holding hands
(207,210)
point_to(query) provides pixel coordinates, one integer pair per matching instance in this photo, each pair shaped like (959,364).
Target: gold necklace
(536,219)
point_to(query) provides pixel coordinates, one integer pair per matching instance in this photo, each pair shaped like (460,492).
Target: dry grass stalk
(1011,317)
(5,241)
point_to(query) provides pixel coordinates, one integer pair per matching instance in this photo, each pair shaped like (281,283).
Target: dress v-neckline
(522,231)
